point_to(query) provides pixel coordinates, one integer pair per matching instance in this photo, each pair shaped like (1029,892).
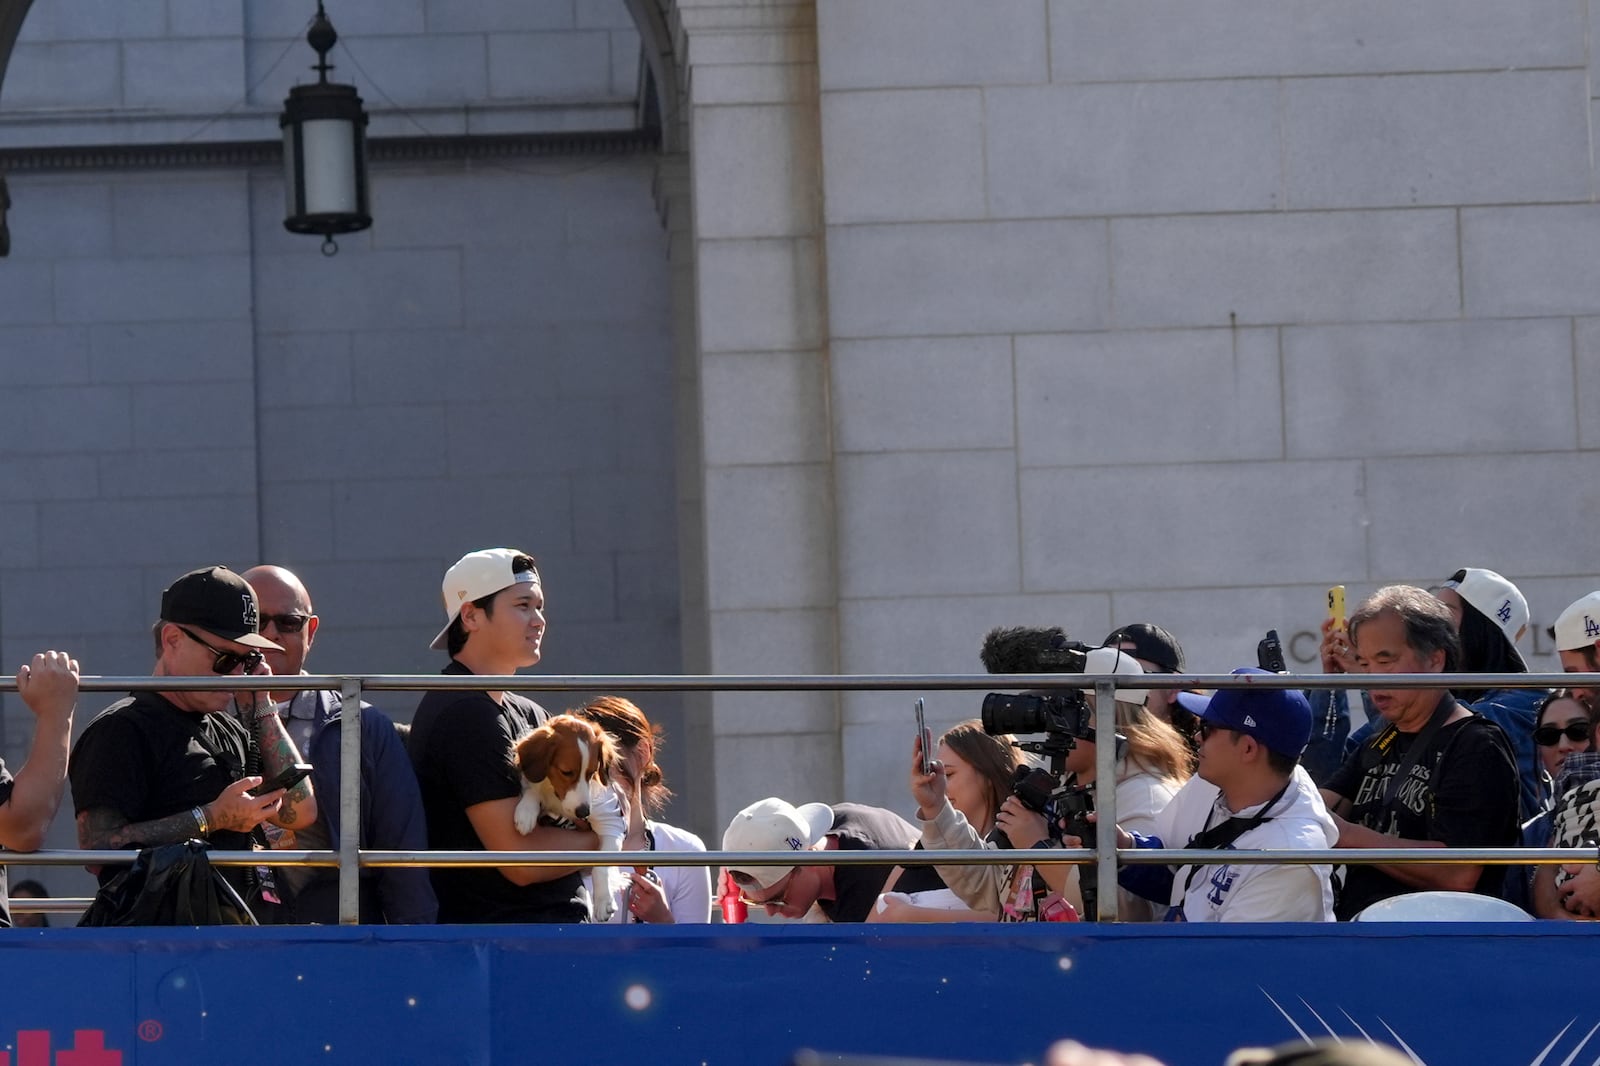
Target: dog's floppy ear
(534,752)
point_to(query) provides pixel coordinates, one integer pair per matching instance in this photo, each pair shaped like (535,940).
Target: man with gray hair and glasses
(1435,775)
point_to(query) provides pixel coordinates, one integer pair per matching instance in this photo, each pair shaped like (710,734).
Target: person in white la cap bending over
(841,893)
(461,748)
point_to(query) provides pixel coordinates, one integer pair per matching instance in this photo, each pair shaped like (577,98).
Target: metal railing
(349,858)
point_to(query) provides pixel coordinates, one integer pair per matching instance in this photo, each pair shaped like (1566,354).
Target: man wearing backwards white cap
(1578,644)
(841,893)
(461,743)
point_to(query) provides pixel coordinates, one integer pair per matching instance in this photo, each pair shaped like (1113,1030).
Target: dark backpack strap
(1222,835)
(1419,744)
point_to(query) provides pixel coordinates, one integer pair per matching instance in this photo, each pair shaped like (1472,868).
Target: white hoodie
(1252,893)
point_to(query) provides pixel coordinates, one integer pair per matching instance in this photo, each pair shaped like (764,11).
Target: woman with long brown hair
(670,893)
(978,775)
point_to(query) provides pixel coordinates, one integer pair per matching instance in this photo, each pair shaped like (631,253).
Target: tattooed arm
(278,753)
(102,828)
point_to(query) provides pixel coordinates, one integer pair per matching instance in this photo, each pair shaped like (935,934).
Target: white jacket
(1253,893)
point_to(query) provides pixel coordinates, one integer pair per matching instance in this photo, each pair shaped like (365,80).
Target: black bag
(173,884)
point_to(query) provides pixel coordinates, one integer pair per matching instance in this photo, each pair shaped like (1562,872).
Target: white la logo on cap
(249,611)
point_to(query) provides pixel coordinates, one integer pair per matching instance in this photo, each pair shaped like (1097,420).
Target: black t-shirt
(919,878)
(1462,791)
(859,828)
(461,747)
(145,759)
(6,783)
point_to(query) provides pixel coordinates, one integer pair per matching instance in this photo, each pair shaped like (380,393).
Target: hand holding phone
(288,779)
(1336,605)
(926,738)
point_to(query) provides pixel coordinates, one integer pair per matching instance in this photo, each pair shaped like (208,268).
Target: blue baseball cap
(1280,718)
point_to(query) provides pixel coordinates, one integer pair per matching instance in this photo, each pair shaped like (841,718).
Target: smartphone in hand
(927,739)
(1336,606)
(288,779)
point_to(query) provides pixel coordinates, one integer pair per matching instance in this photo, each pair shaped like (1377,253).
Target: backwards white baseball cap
(1112,661)
(476,575)
(1579,625)
(775,825)
(1495,598)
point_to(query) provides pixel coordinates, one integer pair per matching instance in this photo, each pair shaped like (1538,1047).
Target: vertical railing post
(1105,798)
(349,801)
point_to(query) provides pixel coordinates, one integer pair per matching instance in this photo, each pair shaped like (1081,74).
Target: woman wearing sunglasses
(1562,726)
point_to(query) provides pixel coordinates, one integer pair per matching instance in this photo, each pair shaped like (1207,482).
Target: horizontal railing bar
(218,857)
(1053,856)
(816,682)
(50,904)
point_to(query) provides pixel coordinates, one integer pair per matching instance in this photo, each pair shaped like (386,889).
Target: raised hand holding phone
(1335,650)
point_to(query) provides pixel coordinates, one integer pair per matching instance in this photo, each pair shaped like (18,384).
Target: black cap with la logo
(217,600)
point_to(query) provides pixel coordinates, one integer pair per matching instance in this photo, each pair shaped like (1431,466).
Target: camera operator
(1249,792)
(1153,761)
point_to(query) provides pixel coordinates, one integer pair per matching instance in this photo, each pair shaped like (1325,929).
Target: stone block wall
(1178,314)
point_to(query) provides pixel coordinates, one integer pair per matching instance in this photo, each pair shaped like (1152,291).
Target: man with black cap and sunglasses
(165,767)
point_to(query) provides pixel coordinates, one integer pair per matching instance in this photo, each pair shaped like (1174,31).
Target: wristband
(1043,845)
(269,711)
(202,826)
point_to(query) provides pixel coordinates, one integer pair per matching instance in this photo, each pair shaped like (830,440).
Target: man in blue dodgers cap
(1249,792)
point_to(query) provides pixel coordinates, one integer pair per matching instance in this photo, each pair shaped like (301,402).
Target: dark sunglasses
(1205,729)
(1548,736)
(286,623)
(227,661)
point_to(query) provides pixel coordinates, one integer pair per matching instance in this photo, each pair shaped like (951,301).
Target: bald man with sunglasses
(165,767)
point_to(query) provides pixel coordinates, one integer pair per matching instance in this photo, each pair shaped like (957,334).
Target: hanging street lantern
(325,150)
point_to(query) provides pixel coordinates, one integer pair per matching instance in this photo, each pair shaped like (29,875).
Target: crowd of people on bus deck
(1242,769)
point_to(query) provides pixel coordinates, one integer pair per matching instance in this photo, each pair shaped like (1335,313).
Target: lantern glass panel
(330,167)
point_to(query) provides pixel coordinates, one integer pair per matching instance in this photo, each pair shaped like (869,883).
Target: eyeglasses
(1205,729)
(227,661)
(747,881)
(1548,736)
(286,623)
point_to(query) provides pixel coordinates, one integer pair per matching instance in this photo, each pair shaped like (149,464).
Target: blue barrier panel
(1453,994)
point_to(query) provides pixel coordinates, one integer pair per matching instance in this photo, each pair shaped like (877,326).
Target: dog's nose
(583,811)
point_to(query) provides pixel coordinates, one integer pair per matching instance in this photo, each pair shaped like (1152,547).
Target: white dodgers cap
(775,825)
(1495,598)
(476,575)
(1579,625)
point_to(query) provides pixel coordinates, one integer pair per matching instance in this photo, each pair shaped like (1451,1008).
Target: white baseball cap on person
(773,824)
(1579,625)
(1494,597)
(476,575)
(1112,661)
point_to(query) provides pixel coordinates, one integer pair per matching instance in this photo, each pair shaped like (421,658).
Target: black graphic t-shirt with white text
(1461,791)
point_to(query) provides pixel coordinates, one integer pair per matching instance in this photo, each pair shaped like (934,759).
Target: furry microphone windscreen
(1031,650)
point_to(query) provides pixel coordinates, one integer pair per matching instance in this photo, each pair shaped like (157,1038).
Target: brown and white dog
(566,768)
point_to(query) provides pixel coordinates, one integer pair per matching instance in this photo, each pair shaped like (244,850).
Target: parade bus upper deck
(1443,991)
